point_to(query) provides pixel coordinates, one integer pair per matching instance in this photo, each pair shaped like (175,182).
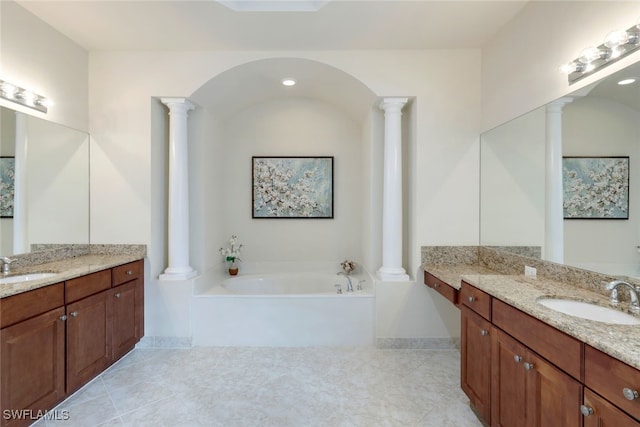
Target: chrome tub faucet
(349,284)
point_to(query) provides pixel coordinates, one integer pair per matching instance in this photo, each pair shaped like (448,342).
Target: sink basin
(585,310)
(24,278)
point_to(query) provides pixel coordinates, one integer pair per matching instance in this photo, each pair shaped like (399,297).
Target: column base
(173,273)
(389,274)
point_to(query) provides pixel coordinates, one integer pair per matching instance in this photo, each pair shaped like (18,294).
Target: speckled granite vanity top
(619,341)
(450,274)
(66,269)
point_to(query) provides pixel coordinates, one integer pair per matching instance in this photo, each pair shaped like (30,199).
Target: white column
(391,269)
(554,218)
(178,268)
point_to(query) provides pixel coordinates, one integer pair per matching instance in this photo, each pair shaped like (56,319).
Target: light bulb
(288,82)
(572,67)
(589,55)
(616,38)
(8,89)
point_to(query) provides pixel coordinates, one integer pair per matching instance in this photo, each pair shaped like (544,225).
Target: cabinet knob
(118,295)
(129,272)
(63,317)
(472,298)
(585,410)
(528,366)
(74,314)
(484,332)
(517,358)
(435,285)
(630,394)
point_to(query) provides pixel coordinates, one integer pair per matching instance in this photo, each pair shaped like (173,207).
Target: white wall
(598,127)
(40,58)
(293,127)
(520,67)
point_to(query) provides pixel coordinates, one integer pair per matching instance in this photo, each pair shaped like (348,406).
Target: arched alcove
(245,112)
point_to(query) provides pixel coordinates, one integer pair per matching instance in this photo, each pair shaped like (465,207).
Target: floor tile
(280,387)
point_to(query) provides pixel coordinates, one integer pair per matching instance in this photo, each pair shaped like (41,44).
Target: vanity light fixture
(288,82)
(23,96)
(617,44)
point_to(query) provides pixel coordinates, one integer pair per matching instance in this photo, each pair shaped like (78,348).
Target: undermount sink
(19,278)
(585,310)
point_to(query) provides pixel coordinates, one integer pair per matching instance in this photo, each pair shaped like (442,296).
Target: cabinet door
(475,369)
(508,381)
(598,412)
(88,339)
(32,364)
(124,319)
(553,397)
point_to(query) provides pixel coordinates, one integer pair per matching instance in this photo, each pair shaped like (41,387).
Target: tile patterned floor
(274,387)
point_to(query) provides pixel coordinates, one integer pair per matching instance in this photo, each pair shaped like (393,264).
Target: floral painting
(292,187)
(7,186)
(595,187)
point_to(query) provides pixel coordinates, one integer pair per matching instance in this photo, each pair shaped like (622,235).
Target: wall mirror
(602,120)
(44,184)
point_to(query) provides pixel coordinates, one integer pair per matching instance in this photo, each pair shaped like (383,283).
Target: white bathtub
(283,310)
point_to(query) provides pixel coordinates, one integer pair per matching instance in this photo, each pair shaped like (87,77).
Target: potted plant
(231,254)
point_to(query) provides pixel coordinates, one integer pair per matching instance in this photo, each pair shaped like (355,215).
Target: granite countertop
(451,273)
(619,341)
(64,270)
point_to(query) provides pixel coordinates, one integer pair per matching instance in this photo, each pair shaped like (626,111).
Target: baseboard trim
(418,343)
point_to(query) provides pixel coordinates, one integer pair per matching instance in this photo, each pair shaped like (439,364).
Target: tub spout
(349,284)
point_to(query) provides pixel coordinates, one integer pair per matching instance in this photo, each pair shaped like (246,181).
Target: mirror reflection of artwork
(595,187)
(7,186)
(292,187)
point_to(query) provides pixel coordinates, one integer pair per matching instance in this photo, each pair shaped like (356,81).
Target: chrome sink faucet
(6,264)
(349,284)
(633,292)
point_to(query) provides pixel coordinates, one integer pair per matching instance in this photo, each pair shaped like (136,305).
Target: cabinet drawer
(609,377)
(476,300)
(23,306)
(82,287)
(547,341)
(449,292)
(604,413)
(127,272)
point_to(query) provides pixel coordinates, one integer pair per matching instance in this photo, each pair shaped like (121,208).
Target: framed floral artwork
(7,186)
(292,187)
(595,187)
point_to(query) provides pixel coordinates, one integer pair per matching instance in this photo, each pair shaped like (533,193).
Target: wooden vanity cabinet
(88,327)
(475,368)
(449,292)
(32,351)
(475,349)
(525,388)
(55,339)
(127,296)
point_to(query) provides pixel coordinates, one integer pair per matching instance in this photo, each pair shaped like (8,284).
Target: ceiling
(337,25)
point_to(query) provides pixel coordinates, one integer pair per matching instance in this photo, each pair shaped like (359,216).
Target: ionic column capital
(177,105)
(393,105)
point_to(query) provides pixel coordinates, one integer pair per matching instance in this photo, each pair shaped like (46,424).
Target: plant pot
(233,271)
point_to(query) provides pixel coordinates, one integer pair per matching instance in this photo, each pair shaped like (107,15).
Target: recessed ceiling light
(626,81)
(288,82)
